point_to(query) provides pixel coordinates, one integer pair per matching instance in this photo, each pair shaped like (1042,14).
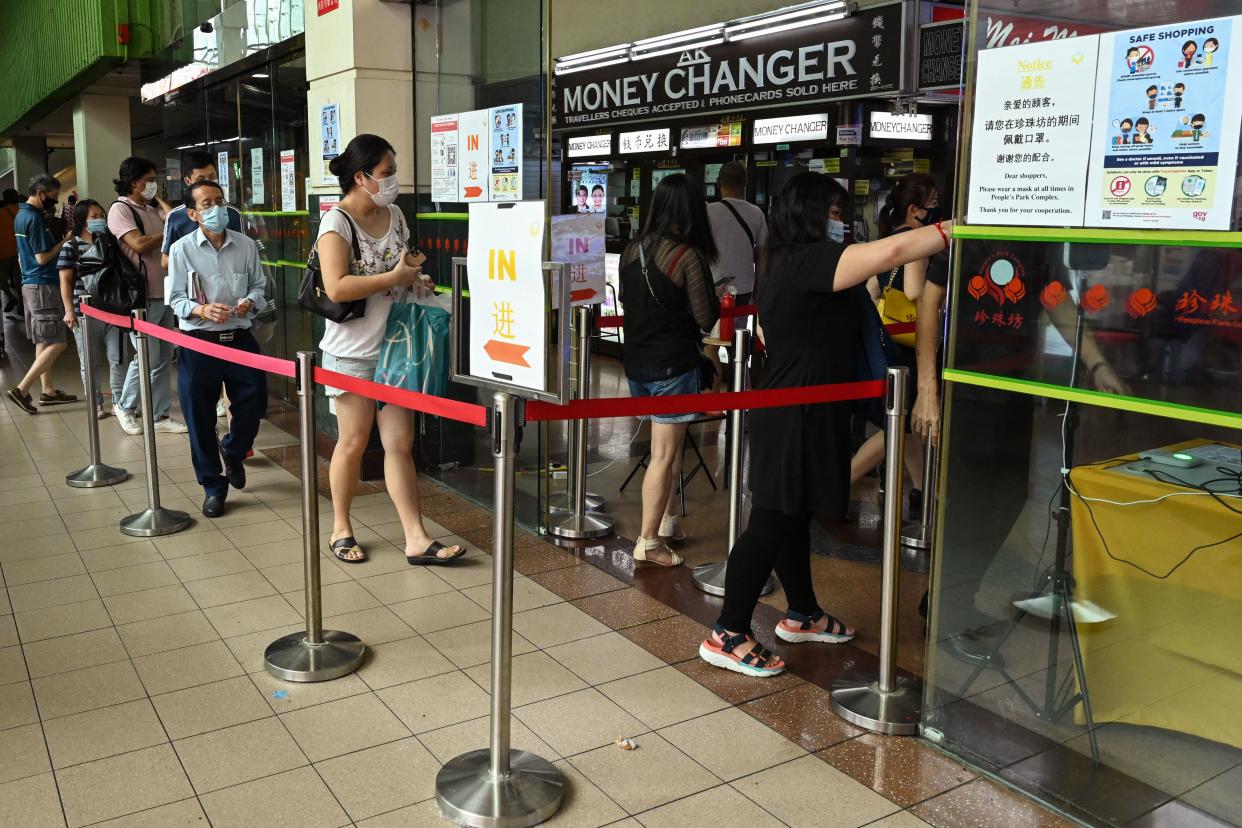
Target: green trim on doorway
(1099,235)
(282,263)
(443,216)
(275,213)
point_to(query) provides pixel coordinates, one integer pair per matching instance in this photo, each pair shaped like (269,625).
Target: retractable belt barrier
(476,415)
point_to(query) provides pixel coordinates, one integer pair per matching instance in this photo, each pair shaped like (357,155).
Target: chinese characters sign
(578,241)
(473,159)
(644,140)
(508,297)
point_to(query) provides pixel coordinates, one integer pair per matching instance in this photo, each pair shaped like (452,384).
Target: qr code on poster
(1108,214)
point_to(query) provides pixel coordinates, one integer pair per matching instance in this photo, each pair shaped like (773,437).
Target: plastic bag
(414,354)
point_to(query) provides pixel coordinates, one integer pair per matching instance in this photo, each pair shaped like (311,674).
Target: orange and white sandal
(797,629)
(760,662)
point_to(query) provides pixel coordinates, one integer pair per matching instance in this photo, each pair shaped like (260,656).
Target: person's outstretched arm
(859,262)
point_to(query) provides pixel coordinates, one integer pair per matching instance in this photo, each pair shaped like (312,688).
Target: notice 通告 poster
(1168,100)
(443,157)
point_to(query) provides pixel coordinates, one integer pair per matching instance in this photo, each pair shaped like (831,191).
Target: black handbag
(313,297)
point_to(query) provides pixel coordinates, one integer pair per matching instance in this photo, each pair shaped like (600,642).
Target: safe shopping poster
(1168,106)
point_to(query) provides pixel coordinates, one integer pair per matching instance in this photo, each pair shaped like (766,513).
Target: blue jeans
(687,383)
(161,354)
(106,343)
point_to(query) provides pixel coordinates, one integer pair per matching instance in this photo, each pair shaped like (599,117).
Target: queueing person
(137,219)
(89,219)
(800,455)
(383,274)
(216,288)
(666,286)
(37,251)
(178,222)
(10,269)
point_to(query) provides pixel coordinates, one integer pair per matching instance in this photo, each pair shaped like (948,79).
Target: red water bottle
(726,320)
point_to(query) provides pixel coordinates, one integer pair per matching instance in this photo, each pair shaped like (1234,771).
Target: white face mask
(836,230)
(149,191)
(388,189)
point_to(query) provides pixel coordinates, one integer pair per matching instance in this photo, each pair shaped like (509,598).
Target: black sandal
(343,546)
(431,555)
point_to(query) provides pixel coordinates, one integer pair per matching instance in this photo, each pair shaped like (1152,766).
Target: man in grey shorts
(37,252)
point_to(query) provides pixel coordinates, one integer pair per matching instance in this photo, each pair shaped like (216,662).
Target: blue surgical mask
(97,225)
(836,230)
(215,218)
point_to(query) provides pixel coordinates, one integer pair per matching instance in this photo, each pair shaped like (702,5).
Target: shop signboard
(444,157)
(791,128)
(288,181)
(940,55)
(711,136)
(856,56)
(917,127)
(473,161)
(644,140)
(1168,100)
(257,196)
(589,146)
(222,169)
(508,294)
(578,241)
(505,152)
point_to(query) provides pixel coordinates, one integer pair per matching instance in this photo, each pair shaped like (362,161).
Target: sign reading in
(508,296)
(854,57)
(589,146)
(644,140)
(474,164)
(903,127)
(578,241)
(792,128)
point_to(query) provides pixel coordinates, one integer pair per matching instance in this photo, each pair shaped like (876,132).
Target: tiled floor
(132,689)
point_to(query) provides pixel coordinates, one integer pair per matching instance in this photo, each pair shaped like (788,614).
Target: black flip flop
(430,556)
(340,546)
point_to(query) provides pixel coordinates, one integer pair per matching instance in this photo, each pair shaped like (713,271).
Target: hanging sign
(505,152)
(508,295)
(940,55)
(578,241)
(443,157)
(791,128)
(222,169)
(589,146)
(901,127)
(288,181)
(857,56)
(644,140)
(257,196)
(712,136)
(329,137)
(1168,101)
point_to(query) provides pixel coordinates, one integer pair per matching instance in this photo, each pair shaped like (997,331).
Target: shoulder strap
(746,227)
(892,274)
(353,234)
(137,218)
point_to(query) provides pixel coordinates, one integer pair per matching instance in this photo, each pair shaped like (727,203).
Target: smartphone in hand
(417,257)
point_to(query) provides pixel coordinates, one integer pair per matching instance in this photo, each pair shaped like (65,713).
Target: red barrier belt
(464,412)
(109,318)
(272,365)
(692,403)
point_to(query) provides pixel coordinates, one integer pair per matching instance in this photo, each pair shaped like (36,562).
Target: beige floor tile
(243,514)
(343,726)
(17,705)
(436,702)
(196,543)
(382,557)
(527,595)
(134,578)
(119,557)
(210,565)
(40,527)
(121,785)
(53,593)
(284,696)
(13,665)
(88,689)
(414,582)
(375,626)
(662,697)
(63,620)
(171,632)
(232,620)
(585,805)
(210,707)
(383,778)
(73,652)
(249,649)
(638,780)
(901,819)
(187,667)
(22,753)
(438,612)
(536,676)
(31,803)
(256,532)
(423,815)
(338,599)
(470,644)
(228,757)
(43,569)
(108,731)
(454,740)
(275,553)
(304,800)
(801,792)
(37,547)
(184,814)
(291,578)
(605,658)
(150,603)
(556,624)
(229,589)
(110,516)
(720,807)
(579,722)
(731,744)
(471,571)
(108,535)
(398,662)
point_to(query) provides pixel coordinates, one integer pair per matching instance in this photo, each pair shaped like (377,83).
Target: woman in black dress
(811,326)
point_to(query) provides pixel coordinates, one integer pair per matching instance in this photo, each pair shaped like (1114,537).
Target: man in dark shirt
(178,223)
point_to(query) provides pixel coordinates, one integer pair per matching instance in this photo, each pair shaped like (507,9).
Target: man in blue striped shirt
(178,223)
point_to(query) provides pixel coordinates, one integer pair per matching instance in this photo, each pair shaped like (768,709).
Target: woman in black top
(666,288)
(810,323)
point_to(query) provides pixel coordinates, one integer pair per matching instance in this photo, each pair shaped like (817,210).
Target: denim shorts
(687,383)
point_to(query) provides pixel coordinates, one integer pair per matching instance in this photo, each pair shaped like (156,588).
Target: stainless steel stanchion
(917,534)
(710,577)
(578,522)
(97,473)
(500,787)
(154,520)
(888,703)
(316,654)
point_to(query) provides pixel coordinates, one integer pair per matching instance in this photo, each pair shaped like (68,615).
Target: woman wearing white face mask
(383,273)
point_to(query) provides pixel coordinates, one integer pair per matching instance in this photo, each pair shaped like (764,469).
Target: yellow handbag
(895,308)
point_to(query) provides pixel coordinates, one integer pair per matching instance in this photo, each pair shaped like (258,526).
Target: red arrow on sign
(506,352)
(581,295)
(473,192)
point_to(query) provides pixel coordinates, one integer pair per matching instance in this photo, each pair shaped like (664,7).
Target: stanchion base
(468,794)
(915,535)
(152,522)
(858,700)
(94,475)
(710,577)
(596,503)
(293,658)
(568,525)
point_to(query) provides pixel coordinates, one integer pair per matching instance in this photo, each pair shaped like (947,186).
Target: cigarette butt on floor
(626,743)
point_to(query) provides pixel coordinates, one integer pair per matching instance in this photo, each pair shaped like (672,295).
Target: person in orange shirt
(10,271)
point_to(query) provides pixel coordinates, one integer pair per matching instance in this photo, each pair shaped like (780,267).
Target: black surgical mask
(49,202)
(932,216)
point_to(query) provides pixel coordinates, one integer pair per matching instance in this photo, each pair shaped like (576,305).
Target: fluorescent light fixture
(566,70)
(260,75)
(593,55)
(788,13)
(635,54)
(676,37)
(733,33)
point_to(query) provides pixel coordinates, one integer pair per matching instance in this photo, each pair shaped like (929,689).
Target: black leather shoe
(235,472)
(213,506)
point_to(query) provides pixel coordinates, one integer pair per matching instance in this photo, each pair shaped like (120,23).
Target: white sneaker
(128,422)
(222,410)
(170,426)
